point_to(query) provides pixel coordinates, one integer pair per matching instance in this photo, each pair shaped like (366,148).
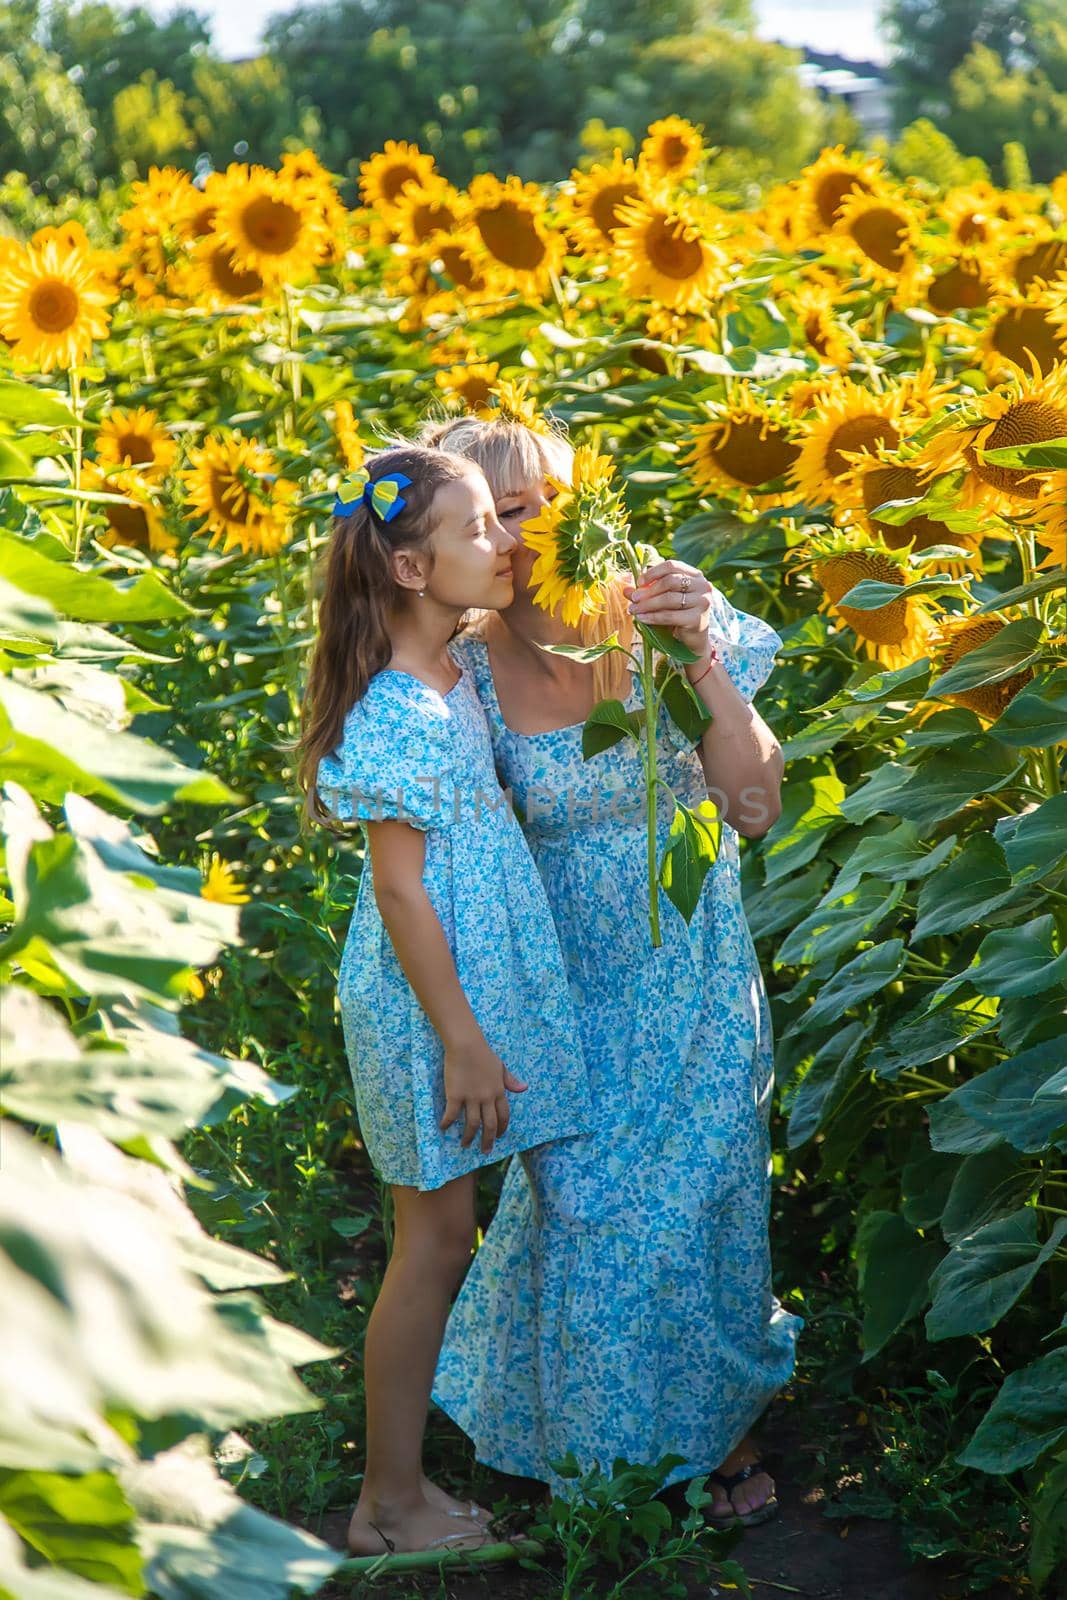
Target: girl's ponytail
(360,594)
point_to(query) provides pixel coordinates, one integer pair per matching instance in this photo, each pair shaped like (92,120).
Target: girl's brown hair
(513,456)
(359,592)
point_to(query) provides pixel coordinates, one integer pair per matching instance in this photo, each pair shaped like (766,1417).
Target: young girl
(459,1027)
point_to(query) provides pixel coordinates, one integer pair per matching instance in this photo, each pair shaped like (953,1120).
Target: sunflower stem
(648,688)
(1045,773)
(79,437)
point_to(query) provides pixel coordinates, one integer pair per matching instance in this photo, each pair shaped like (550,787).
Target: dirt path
(802,1553)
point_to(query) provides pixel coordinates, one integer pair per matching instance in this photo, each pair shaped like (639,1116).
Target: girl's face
(515,508)
(472,551)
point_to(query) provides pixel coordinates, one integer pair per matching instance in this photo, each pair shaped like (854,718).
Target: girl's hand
(666,600)
(477,1085)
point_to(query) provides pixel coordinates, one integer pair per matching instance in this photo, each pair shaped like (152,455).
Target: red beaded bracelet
(713,661)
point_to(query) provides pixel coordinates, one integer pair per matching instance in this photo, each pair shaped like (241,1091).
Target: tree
(45,128)
(932,38)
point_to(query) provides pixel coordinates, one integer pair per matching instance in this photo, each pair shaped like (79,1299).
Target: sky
(848,27)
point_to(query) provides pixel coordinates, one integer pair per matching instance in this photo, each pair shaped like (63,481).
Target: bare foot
(374,1528)
(748,1496)
(434,1495)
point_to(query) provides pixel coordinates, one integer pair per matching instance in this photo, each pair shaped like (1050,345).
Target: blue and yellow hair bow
(382,495)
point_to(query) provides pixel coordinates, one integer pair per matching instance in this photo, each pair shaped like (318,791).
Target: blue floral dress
(411,753)
(621,1302)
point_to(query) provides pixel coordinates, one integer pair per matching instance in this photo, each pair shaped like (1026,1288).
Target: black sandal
(728,1481)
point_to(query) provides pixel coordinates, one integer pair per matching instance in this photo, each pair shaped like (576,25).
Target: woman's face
(515,508)
(472,551)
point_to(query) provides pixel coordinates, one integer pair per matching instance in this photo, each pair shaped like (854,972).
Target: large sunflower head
(396,167)
(894,634)
(576,536)
(135,439)
(511,221)
(671,149)
(1021,411)
(845,424)
(593,199)
(958,283)
(214,279)
(971,215)
(471,385)
(1039,261)
(748,443)
(664,252)
(827,182)
(137,521)
(425,209)
(53,304)
(233,486)
(271,225)
(1023,329)
(956,637)
(881,231)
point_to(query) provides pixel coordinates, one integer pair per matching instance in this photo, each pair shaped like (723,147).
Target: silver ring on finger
(685,582)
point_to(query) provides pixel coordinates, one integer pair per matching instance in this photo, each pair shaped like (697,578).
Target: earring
(422,594)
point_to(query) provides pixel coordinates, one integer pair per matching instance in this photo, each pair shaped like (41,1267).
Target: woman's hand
(676,596)
(476,1086)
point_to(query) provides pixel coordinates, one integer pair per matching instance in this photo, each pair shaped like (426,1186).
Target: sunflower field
(848,406)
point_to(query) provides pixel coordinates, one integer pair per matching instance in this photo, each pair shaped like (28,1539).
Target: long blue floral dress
(621,1302)
(410,753)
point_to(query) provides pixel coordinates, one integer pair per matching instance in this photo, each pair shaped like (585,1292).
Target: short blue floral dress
(621,1302)
(410,753)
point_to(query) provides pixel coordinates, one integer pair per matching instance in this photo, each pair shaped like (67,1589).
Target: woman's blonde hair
(512,456)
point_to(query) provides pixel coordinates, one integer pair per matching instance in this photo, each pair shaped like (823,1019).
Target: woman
(621,1302)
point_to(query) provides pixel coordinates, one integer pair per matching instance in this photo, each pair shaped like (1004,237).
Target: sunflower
(882,233)
(306,173)
(782,217)
(53,304)
(956,637)
(472,384)
(1023,329)
(1021,411)
(426,209)
(747,444)
(346,432)
(1042,261)
(270,224)
(894,634)
(387,174)
(221,883)
(971,215)
(135,439)
(155,226)
(818,310)
(511,401)
(847,420)
(510,219)
(1048,519)
(213,278)
(594,198)
(882,481)
(961,285)
(137,521)
(574,537)
(197,218)
(826,183)
(671,149)
(663,254)
(232,486)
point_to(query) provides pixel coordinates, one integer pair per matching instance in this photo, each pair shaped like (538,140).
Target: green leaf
(83,595)
(1022,591)
(871,595)
(1037,715)
(83,1524)
(928,1033)
(1019,961)
(826,1082)
(987,1186)
(975,883)
(1048,1521)
(585,652)
(1005,654)
(606,724)
(42,408)
(839,923)
(878,793)
(985,1273)
(1028,1416)
(684,705)
(690,852)
(886,685)
(14,462)
(895,854)
(811,810)
(1035,843)
(1048,456)
(950,778)
(925,1185)
(1019,1100)
(665,642)
(893,1265)
(51,750)
(865,975)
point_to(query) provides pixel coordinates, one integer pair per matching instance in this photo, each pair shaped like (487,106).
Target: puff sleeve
(393,759)
(747,645)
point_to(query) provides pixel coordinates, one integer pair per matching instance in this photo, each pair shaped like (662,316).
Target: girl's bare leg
(434,1233)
